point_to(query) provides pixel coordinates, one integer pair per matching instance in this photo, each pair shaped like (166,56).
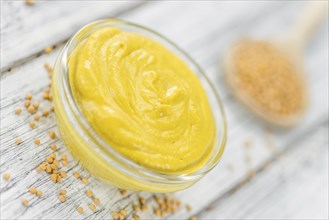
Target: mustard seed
(33,190)
(31,109)
(63,157)
(19,140)
(37,117)
(89,193)
(56,162)
(92,207)
(18,111)
(48,50)
(76,175)
(80,210)
(85,180)
(25,202)
(188,208)
(52,134)
(27,103)
(39,193)
(63,174)
(136,217)
(123,192)
(32,124)
(115,215)
(96,201)
(142,200)
(48,169)
(37,141)
(62,198)
(65,163)
(53,178)
(59,178)
(62,192)
(6,176)
(45,112)
(53,147)
(28,96)
(36,105)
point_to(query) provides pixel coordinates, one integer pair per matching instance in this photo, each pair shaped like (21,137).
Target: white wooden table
(284,172)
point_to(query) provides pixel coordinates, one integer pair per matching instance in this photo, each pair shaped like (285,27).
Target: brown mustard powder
(268,76)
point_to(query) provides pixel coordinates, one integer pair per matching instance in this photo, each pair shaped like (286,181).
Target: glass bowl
(100,159)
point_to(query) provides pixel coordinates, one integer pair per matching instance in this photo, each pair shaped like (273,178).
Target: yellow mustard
(143,100)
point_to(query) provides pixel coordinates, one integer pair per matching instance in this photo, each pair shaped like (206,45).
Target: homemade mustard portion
(143,100)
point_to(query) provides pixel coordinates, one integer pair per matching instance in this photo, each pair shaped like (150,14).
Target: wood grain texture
(294,187)
(27,30)
(205,35)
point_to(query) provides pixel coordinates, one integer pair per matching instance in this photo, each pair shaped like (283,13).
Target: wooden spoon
(291,47)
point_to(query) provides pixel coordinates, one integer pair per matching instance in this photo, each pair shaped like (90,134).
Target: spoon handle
(315,12)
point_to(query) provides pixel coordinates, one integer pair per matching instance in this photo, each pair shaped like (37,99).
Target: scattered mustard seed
(32,124)
(62,192)
(53,177)
(25,202)
(80,210)
(6,176)
(96,201)
(19,140)
(62,198)
(136,208)
(63,174)
(52,134)
(59,178)
(123,192)
(38,169)
(18,111)
(33,190)
(27,103)
(56,162)
(115,215)
(37,141)
(65,163)
(31,109)
(85,180)
(28,96)
(39,193)
(193,218)
(48,49)
(37,117)
(36,105)
(144,208)
(188,208)
(45,112)
(142,200)
(136,217)
(53,147)
(63,157)
(92,207)
(89,193)
(76,175)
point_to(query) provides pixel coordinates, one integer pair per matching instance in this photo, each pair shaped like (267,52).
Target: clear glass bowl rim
(85,130)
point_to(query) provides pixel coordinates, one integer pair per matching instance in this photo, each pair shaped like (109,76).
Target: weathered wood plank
(293,187)
(27,30)
(207,46)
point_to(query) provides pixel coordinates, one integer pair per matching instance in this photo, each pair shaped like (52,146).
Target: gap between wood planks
(6,69)
(290,147)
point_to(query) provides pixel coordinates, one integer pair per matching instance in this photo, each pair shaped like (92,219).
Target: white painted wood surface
(293,187)
(204,31)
